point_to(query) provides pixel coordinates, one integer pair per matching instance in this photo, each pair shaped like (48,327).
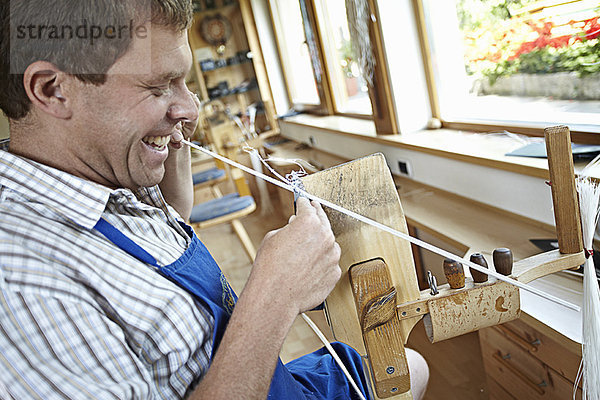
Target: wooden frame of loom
(378,274)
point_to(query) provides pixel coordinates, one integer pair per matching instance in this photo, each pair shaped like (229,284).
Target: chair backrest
(225,138)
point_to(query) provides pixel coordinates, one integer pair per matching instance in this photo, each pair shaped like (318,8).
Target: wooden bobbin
(503,260)
(478,277)
(455,273)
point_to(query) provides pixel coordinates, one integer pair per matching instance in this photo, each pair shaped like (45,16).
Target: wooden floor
(456,369)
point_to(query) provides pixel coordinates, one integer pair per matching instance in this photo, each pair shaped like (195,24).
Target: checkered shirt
(80,318)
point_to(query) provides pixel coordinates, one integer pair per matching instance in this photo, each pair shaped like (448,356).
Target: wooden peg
(503,260)
(455,273)
(478,277)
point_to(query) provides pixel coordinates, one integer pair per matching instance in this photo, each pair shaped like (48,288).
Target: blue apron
(311,377)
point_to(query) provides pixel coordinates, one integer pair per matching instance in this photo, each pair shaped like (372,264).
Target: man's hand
(298,264)
(176,186)
(295,269)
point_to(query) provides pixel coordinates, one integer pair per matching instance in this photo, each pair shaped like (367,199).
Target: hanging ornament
(216,30)
(359,16)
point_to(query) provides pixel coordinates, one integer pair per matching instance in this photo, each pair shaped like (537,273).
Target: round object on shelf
(215,29)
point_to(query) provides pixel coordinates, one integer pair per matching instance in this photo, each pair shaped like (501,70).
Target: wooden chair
(210,178)
(231,207)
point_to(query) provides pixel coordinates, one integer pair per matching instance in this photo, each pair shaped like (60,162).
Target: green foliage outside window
(500,39)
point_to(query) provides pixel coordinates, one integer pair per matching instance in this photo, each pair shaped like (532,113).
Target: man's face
(121,129)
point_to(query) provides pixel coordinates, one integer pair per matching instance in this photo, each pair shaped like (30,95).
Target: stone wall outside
(562,85)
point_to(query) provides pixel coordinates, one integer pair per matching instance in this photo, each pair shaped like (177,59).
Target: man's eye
(159,91)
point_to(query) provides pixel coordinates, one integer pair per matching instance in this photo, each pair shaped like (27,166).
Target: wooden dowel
(478,277)
(503,260)
(564,193)
(455,273)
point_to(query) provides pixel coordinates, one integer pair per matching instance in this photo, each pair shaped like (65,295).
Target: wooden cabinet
(228,63)
(522,362)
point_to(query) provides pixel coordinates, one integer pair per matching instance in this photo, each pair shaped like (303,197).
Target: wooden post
(564,193)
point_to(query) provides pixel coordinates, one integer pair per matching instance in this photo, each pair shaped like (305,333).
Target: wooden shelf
(246,62)
(234,93)
(243,40)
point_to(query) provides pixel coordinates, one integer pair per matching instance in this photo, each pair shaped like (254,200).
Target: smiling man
(105,292)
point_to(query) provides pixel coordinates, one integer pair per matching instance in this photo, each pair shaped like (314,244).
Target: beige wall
(3,126)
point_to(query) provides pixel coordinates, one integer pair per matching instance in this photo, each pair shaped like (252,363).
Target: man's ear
(44,83)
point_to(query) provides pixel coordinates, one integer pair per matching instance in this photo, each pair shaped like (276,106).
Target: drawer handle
(529,346)
(508,365)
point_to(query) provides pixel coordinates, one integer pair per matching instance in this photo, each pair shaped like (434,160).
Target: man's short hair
(82,37)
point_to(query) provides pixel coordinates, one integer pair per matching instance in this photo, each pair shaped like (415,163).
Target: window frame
(580,136)
(385,115)
(380,95)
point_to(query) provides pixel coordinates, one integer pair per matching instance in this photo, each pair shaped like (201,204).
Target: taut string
(392,231)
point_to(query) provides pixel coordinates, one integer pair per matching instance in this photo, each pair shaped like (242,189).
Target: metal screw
(390,370)
(432,283)
(394,390)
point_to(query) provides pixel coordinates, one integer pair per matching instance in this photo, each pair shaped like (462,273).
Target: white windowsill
(486,149)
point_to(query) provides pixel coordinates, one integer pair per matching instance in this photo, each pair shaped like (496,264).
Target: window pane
(294,52)
(520,62)
(350,91)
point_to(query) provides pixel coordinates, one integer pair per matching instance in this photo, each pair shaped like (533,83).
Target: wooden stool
(226,209)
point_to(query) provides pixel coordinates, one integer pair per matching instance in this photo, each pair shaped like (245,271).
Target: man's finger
(303,206)
(321,214)
(176,137)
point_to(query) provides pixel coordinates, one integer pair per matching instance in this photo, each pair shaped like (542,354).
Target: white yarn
(337,358)
(283,184)
(266,207)
(589,371)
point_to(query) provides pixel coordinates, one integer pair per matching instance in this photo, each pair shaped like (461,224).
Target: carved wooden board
(366,187)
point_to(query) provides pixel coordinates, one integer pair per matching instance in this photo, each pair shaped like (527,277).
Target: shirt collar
(77,199)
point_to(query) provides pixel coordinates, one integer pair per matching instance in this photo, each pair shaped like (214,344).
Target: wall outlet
(404,168)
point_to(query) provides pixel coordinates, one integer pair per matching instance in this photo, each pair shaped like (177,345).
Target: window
(516,63)
(320,35)
(350,91)
(294,53)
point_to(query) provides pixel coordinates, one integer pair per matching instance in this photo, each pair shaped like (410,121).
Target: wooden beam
(564,193)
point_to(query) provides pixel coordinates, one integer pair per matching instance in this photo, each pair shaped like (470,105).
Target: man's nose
(184,108)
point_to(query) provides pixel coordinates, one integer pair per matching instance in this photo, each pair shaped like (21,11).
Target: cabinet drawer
(546,349)
(496,391)
(520,373)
